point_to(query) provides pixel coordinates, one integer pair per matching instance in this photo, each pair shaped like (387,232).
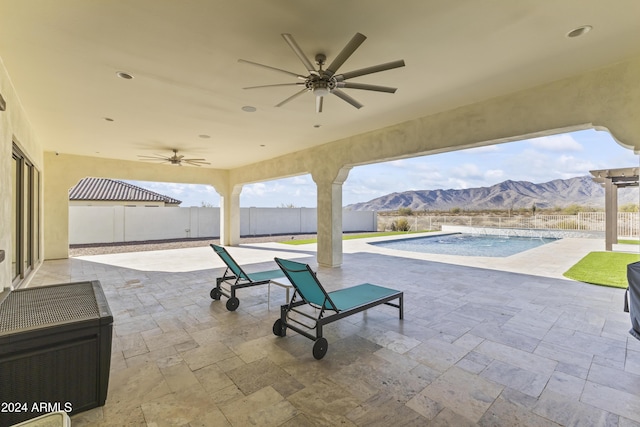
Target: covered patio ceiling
(187,92)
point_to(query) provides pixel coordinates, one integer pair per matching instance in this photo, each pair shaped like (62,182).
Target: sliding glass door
(15,222)
(25,216)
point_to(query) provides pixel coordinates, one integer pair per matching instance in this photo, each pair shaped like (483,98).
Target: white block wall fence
(115,224)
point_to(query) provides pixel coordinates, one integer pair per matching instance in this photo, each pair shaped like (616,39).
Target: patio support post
(329,194)
(611,213)
(58,178)
(230,216)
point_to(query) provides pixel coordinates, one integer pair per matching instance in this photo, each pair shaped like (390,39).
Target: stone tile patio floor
(476,347)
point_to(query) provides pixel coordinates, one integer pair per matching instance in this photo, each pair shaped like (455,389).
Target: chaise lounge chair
(329,306)
(236,278)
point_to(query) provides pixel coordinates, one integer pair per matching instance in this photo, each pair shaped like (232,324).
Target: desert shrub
(630,207)
(405,211)
(400,224)
(567,225)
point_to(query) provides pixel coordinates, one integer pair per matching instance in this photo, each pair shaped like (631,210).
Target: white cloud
(301,180)
(494,174)
(257,189)
(466,170)
(491,149)
(556,143)
(401,163)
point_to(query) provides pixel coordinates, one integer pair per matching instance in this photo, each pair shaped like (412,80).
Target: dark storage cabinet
(55,350)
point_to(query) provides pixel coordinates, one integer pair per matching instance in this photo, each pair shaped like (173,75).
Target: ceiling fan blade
(363,86)
(272,68)
(154,160)
(275,85)
(295,95)
(340,94)
(370,70)
(156,157)
(346,52)
(189,162)
(319,100)
(294,46)
(194,160)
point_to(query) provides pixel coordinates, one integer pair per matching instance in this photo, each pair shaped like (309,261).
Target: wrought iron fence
(628,222)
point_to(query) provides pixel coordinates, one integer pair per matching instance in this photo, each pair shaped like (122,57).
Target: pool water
(467,244)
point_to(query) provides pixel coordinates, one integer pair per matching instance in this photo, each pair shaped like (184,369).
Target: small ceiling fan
(175,159)
(322,82)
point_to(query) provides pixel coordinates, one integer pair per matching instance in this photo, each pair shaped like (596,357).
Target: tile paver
(503,343)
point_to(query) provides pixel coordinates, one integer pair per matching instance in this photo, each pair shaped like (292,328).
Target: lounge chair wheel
(215,294)
(233,303)
(278,328)
(320,348)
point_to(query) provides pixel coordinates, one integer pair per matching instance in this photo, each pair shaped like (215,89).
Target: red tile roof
(112,190)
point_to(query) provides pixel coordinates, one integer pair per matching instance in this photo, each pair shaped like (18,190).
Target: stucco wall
(102,224)
(65,170)
(14,126)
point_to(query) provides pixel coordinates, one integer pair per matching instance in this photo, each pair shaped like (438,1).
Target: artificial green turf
(629,242)
(603,268)
(352,236)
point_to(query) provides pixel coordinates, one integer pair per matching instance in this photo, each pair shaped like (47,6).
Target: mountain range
(505,195)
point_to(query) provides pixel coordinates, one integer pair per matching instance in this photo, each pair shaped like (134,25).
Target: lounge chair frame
(234,277)
(325,313)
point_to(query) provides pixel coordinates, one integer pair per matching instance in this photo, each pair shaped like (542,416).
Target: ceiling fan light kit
(323,82)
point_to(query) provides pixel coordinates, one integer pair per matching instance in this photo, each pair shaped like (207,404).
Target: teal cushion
(262,276)
(348,298)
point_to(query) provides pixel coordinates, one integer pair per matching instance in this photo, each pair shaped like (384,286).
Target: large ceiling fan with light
(175,159)
(325,81)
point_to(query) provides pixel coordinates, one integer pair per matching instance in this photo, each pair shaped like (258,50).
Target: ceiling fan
(322,82)
(175,159)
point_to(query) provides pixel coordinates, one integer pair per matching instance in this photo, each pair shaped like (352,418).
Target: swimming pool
(467,244)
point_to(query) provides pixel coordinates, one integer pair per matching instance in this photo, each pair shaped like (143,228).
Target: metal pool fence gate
(628,222)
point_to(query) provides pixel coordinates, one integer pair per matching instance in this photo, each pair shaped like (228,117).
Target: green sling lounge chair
(235,278)
(329,306)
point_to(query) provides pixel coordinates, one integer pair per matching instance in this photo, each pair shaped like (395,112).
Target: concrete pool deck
(550,260)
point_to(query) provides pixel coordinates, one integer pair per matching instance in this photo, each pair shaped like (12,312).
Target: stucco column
(611,213)
(230,215)
(57,180)
(329,190)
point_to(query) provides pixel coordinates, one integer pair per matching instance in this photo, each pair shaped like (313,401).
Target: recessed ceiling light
(316,126)
(124,75)
(203,136)
(248,109)
(577,32)
(109,119)
(262,145)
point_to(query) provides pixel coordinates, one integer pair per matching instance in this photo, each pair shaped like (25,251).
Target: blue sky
(536,160)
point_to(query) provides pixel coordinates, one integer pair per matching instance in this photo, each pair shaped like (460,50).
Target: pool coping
(525,232)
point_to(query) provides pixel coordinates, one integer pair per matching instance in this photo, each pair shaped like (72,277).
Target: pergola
(611,180)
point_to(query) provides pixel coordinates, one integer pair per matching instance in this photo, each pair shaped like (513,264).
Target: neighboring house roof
(105,189)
